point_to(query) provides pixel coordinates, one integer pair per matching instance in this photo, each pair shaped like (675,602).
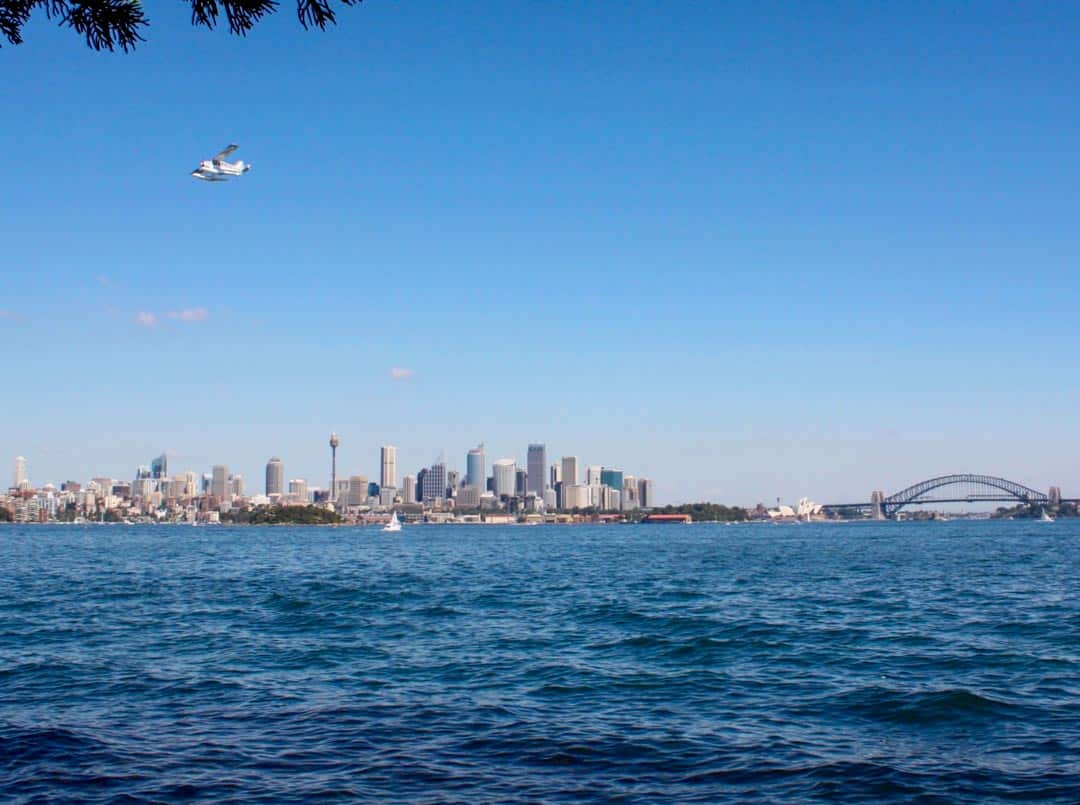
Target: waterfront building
(275,477)
(219,481)
(387,495)
(570,470)
(159,468)
(474,467)
(388,460)
(521,483)
(536,468)
(551,501)
(592,475)
(236,486)
(358,491)
(504,473)
(20,472)
(298,489)
(421,477)
(408,489)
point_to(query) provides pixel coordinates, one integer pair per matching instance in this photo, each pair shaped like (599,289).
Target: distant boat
(394,524)
(1046,518)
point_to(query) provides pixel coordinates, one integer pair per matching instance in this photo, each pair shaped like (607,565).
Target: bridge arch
(976,488)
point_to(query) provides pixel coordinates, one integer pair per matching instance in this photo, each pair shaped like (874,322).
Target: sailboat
(394,524)
(1046,518)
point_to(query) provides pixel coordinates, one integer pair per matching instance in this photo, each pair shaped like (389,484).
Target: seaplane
(217,169)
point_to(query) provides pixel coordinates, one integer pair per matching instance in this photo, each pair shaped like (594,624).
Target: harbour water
(639,664)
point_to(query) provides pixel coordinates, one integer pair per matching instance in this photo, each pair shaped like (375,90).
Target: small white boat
(1046,518)
(394,524)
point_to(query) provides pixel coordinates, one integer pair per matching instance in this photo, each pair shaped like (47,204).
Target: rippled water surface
(934,662)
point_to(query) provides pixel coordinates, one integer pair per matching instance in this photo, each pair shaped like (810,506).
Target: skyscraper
(388,476)
(159,468)
(592,475)
(20,471)
(537,467)
(504,472)
(613,478)
(358,490)
(275,477)
(236,486)
(298,488)
(555,476)
(435,482)
(570,470)
(474,467)
(334,442)
(219,482)
(645,493)
(408,489)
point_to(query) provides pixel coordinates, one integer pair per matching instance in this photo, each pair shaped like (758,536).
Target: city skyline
(769,254)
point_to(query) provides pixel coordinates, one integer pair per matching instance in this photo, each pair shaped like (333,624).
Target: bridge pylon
(877,508)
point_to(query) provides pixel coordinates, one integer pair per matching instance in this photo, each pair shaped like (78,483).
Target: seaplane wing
(224,154)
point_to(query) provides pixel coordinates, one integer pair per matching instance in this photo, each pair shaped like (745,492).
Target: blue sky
(748,252)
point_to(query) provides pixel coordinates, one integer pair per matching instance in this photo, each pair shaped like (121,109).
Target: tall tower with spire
(334,442)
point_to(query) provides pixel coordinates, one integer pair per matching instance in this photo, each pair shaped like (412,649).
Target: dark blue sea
(902,662)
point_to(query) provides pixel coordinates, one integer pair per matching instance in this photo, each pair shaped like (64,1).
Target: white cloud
(400,373)
(190,314)
(146,319)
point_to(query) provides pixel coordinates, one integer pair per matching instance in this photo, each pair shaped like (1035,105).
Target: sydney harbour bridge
(965,488)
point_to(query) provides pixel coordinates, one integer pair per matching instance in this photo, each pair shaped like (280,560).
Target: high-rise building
(275,477)
(645,493)
(358,490)
(592,475)
(388,475)
(474,467)
(612,478)
(570,470)
(555,476)
(298,489)
(219,481)
(236,485)
(159,468)
(408,489)
(421,477)
(468,497)
(453,482)
(435,482)
(521,482)
(504,473)
(20,472)
(576,496)
(537,468)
